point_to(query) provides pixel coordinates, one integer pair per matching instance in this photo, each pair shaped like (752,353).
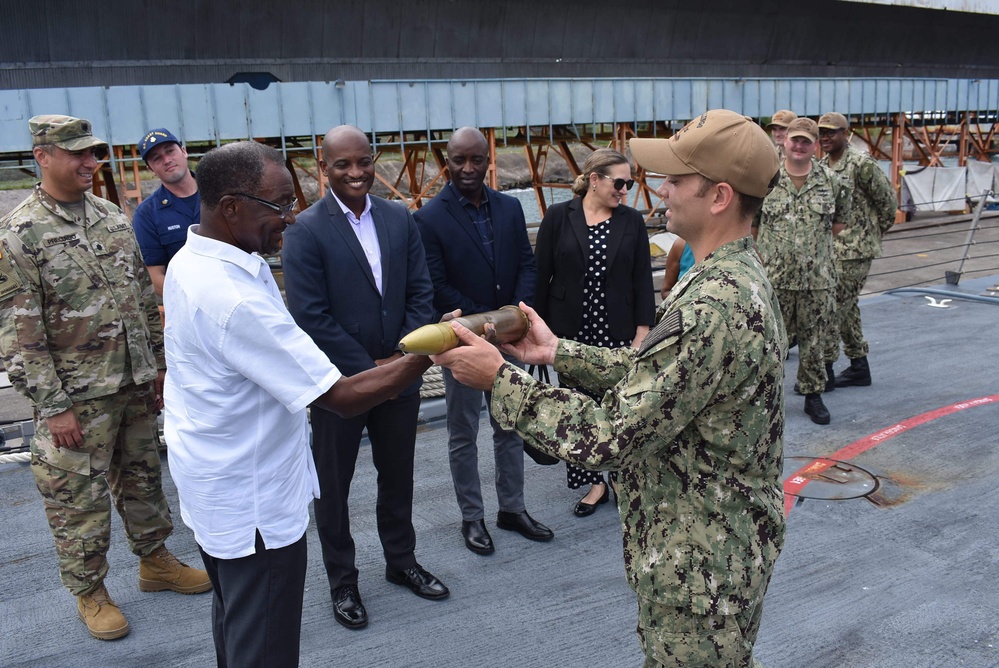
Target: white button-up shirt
(240,374)
(364,229)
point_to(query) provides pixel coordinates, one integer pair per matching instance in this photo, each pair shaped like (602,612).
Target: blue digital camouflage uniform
(79,328)
(694,422)
(795,241)
(872,214)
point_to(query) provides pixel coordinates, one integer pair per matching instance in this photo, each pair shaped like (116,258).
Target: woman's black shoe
(583,509)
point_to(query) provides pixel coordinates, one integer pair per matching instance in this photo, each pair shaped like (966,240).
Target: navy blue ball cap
(154,138)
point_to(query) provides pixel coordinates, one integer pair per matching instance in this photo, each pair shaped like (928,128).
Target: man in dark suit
(480,259)
(356,281)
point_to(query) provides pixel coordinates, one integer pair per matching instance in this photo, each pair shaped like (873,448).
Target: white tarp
(935,189)
(982,176)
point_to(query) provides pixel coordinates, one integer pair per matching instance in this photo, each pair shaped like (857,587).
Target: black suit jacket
(562,249)
(331,291)
(463,273)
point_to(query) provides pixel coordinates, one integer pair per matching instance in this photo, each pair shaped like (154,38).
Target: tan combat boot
(161,570)
(102,617)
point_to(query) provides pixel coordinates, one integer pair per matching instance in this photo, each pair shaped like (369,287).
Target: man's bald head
(468,137)
(340,136)
(468,162)
(349,166)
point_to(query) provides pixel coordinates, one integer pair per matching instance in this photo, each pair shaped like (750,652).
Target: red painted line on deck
(802,476)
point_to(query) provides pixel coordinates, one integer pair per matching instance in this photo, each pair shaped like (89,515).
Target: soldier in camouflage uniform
(80,337)
(794,234)
(693,419)
(872,214)
(778,128)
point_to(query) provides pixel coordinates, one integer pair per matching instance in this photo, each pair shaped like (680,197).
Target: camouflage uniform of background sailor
(694,421)
(795,241)
(80,329)
(872,214)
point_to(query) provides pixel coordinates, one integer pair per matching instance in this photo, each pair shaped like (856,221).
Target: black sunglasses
(619,183)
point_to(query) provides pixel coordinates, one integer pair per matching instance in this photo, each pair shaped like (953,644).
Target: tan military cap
(66,132)
(720,145)
(833,121)
(782,118)
(803,127)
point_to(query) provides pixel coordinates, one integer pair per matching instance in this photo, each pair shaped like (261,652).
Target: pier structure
(915,77)
(931,121)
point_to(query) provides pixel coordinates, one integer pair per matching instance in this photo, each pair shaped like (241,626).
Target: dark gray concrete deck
(912,582)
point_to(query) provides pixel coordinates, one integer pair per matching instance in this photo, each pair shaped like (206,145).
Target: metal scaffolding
(900,119)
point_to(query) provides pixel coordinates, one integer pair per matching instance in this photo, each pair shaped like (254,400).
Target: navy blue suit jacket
(463,273)
(331,291)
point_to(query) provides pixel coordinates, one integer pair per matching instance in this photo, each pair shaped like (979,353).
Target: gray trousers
(464,410)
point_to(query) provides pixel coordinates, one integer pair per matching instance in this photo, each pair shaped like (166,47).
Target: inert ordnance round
(511,324)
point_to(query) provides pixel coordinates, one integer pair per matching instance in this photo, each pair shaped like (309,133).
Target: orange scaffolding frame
(423,168)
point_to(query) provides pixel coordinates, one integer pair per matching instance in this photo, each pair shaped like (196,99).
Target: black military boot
(816,409)
(858,373)
(830,382)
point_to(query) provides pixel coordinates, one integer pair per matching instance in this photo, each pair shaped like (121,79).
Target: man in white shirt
(240,376)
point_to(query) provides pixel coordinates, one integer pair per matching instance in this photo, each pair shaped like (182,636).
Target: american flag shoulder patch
(670,325)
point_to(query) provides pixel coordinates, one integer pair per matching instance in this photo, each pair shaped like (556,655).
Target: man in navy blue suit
(480,259)
(356,281)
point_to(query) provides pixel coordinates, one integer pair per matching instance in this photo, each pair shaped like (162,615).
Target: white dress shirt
(364,228)
(240,374)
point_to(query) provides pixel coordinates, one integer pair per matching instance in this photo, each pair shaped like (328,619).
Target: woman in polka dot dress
(595,276)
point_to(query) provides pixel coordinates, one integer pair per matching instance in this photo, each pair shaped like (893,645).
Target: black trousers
(335,441)
(257,606)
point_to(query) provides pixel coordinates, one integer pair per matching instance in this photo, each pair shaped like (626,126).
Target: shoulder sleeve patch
(10,284)
(670,325)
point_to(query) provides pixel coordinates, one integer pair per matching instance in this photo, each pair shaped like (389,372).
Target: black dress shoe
(525,525)
(477,539)
(584,509)
(348,610)
(419,581)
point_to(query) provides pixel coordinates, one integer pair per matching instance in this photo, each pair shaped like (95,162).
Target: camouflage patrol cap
(720,145)
(66,132)
(782,118)
(833,121)
(803,127)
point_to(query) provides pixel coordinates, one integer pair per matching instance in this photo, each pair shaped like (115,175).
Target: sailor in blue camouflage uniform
(80,337)
(693,419)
